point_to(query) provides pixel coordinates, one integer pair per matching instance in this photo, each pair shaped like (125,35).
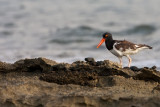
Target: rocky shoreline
(41,82)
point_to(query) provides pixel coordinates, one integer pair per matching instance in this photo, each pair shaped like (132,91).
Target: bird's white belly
(116,53)
(120,52)
(130,52)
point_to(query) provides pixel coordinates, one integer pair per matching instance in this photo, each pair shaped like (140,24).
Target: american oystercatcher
(121,48)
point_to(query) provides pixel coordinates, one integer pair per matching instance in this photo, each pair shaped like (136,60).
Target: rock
(68,77)
(108,63)
(6,67)
(89,59)
(134,68)
(41,64)
(157,88)
(154,68)
(148,75)
(42,82)
(99,63)
(61,67)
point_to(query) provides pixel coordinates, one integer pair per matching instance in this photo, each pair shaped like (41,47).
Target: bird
(121,48)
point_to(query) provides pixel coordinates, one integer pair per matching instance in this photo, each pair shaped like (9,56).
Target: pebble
(89,59)
(134,68)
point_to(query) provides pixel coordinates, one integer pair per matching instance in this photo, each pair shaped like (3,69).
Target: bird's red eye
(106,35)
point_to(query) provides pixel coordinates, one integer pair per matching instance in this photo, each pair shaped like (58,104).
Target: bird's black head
(106,35)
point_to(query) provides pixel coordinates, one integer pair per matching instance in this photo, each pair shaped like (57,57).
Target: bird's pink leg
(120,59)
(130,60)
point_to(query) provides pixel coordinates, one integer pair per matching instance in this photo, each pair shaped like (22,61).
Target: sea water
(70,30)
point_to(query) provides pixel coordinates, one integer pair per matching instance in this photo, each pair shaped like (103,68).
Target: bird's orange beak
(100,43)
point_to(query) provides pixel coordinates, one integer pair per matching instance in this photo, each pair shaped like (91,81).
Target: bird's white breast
(117,52)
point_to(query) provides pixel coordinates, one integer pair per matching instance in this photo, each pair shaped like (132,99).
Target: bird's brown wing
(124,45)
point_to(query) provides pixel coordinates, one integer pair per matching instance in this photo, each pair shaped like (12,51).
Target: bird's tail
(143,46)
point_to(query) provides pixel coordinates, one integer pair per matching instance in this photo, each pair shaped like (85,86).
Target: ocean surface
(70,30)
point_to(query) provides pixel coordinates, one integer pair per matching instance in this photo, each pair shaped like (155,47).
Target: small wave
(9,25)
(79,31)
(80,34)
(65,55)
(140,29)
(68,41)
(5,33)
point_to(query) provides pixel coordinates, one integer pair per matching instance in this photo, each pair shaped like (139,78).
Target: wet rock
(84,68)
(68,77)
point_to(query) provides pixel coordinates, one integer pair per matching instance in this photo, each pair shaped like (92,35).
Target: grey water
(70,30)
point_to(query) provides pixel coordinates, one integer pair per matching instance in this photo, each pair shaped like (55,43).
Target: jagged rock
(6,67)
(154,68)
(89,59)
(108,63)
(61,67)
(134,68)
(41,64)
(41,82)
(148,75)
